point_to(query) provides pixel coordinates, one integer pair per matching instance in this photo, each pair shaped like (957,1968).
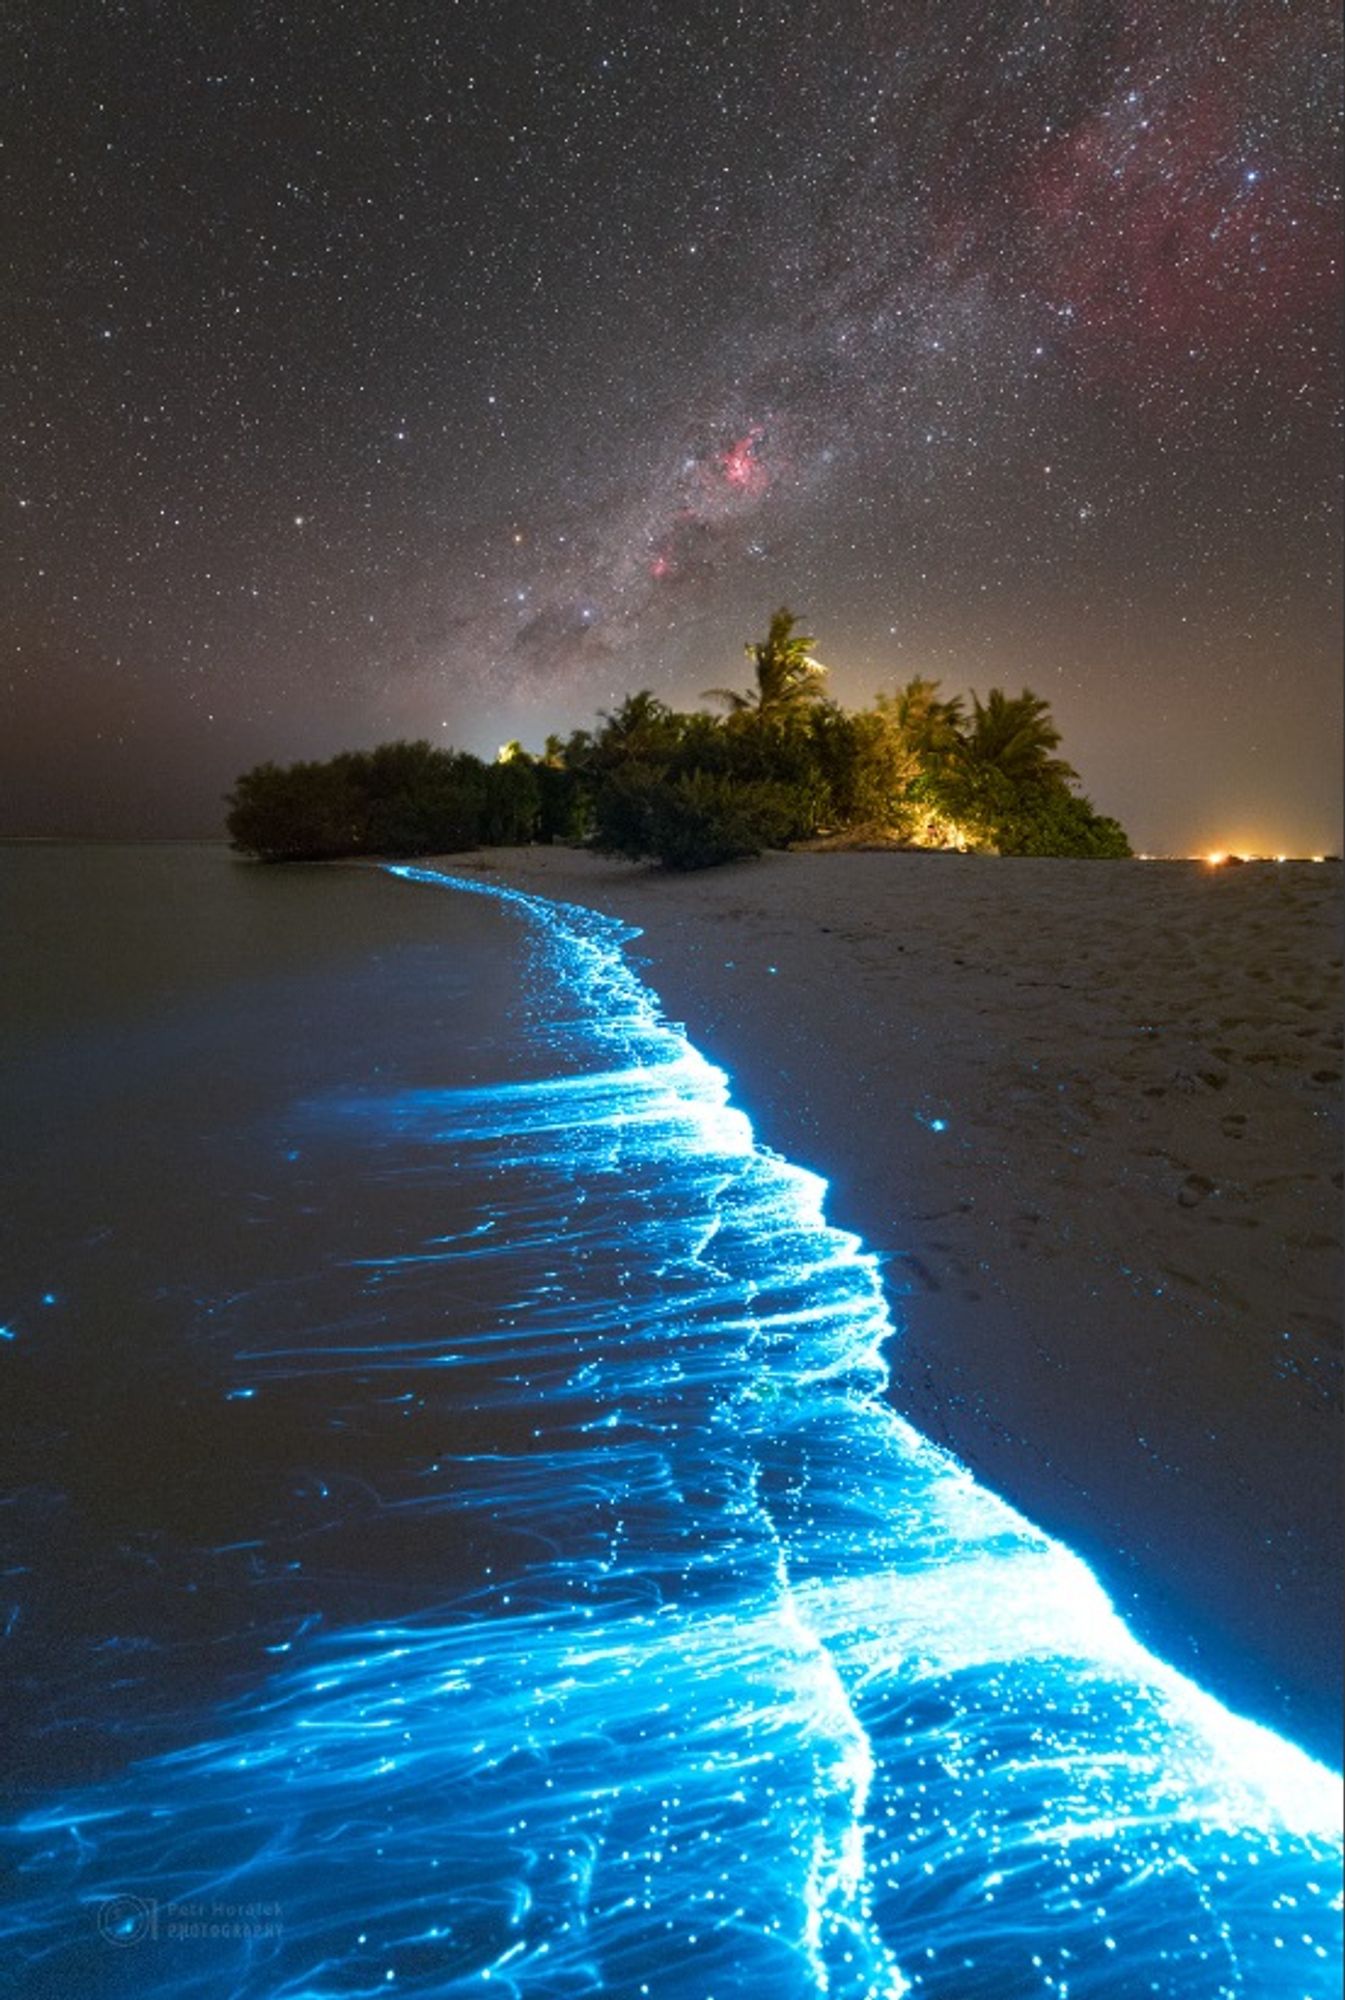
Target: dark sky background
(442,370)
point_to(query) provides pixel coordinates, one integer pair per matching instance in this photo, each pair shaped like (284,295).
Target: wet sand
(1090,1115)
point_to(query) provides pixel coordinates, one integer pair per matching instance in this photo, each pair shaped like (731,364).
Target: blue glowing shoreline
(784,1701)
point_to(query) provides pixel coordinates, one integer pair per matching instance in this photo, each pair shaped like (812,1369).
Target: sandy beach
(1089,1114)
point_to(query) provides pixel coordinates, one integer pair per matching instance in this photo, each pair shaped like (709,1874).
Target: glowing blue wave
(758,1694)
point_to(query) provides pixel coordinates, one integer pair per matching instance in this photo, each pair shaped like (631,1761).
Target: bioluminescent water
(612,1635)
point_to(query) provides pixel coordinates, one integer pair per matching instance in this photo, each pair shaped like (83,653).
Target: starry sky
(451,370)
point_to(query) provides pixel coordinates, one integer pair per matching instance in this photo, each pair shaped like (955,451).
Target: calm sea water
(454,1544)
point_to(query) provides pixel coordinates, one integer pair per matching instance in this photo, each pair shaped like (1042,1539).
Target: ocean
(455,1542)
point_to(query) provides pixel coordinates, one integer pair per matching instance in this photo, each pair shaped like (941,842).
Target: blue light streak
(769,1697)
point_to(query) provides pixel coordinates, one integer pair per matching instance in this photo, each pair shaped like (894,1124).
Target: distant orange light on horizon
(1216,857)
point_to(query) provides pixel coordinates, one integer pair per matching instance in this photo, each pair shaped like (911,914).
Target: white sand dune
(1091,1113)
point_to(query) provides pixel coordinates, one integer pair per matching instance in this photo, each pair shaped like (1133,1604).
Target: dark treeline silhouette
(784,764)
(402,798)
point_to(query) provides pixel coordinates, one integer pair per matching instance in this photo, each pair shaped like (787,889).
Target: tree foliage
(785,675)
(785,764)
(697,820)
(400,799)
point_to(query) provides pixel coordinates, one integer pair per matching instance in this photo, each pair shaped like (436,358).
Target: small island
(783,766)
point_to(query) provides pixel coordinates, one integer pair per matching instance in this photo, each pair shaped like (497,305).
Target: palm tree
(787,676)
(1015,735)
(1001,770)
(921,730)
(643,730)
(641,719)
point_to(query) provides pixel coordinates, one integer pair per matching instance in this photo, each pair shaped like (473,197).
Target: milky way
(452,372)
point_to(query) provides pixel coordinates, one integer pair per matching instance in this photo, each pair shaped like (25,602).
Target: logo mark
(128,1919)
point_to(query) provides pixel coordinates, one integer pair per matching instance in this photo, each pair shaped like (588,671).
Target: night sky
(395,369)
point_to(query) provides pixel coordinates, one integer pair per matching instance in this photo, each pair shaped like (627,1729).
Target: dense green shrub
(1027,815)
(400,799)
(509,804)
(303,812)
(419,800)
(693,821)
(564,809)
(1065,824)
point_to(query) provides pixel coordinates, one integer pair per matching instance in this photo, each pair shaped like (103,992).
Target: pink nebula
(741,467)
